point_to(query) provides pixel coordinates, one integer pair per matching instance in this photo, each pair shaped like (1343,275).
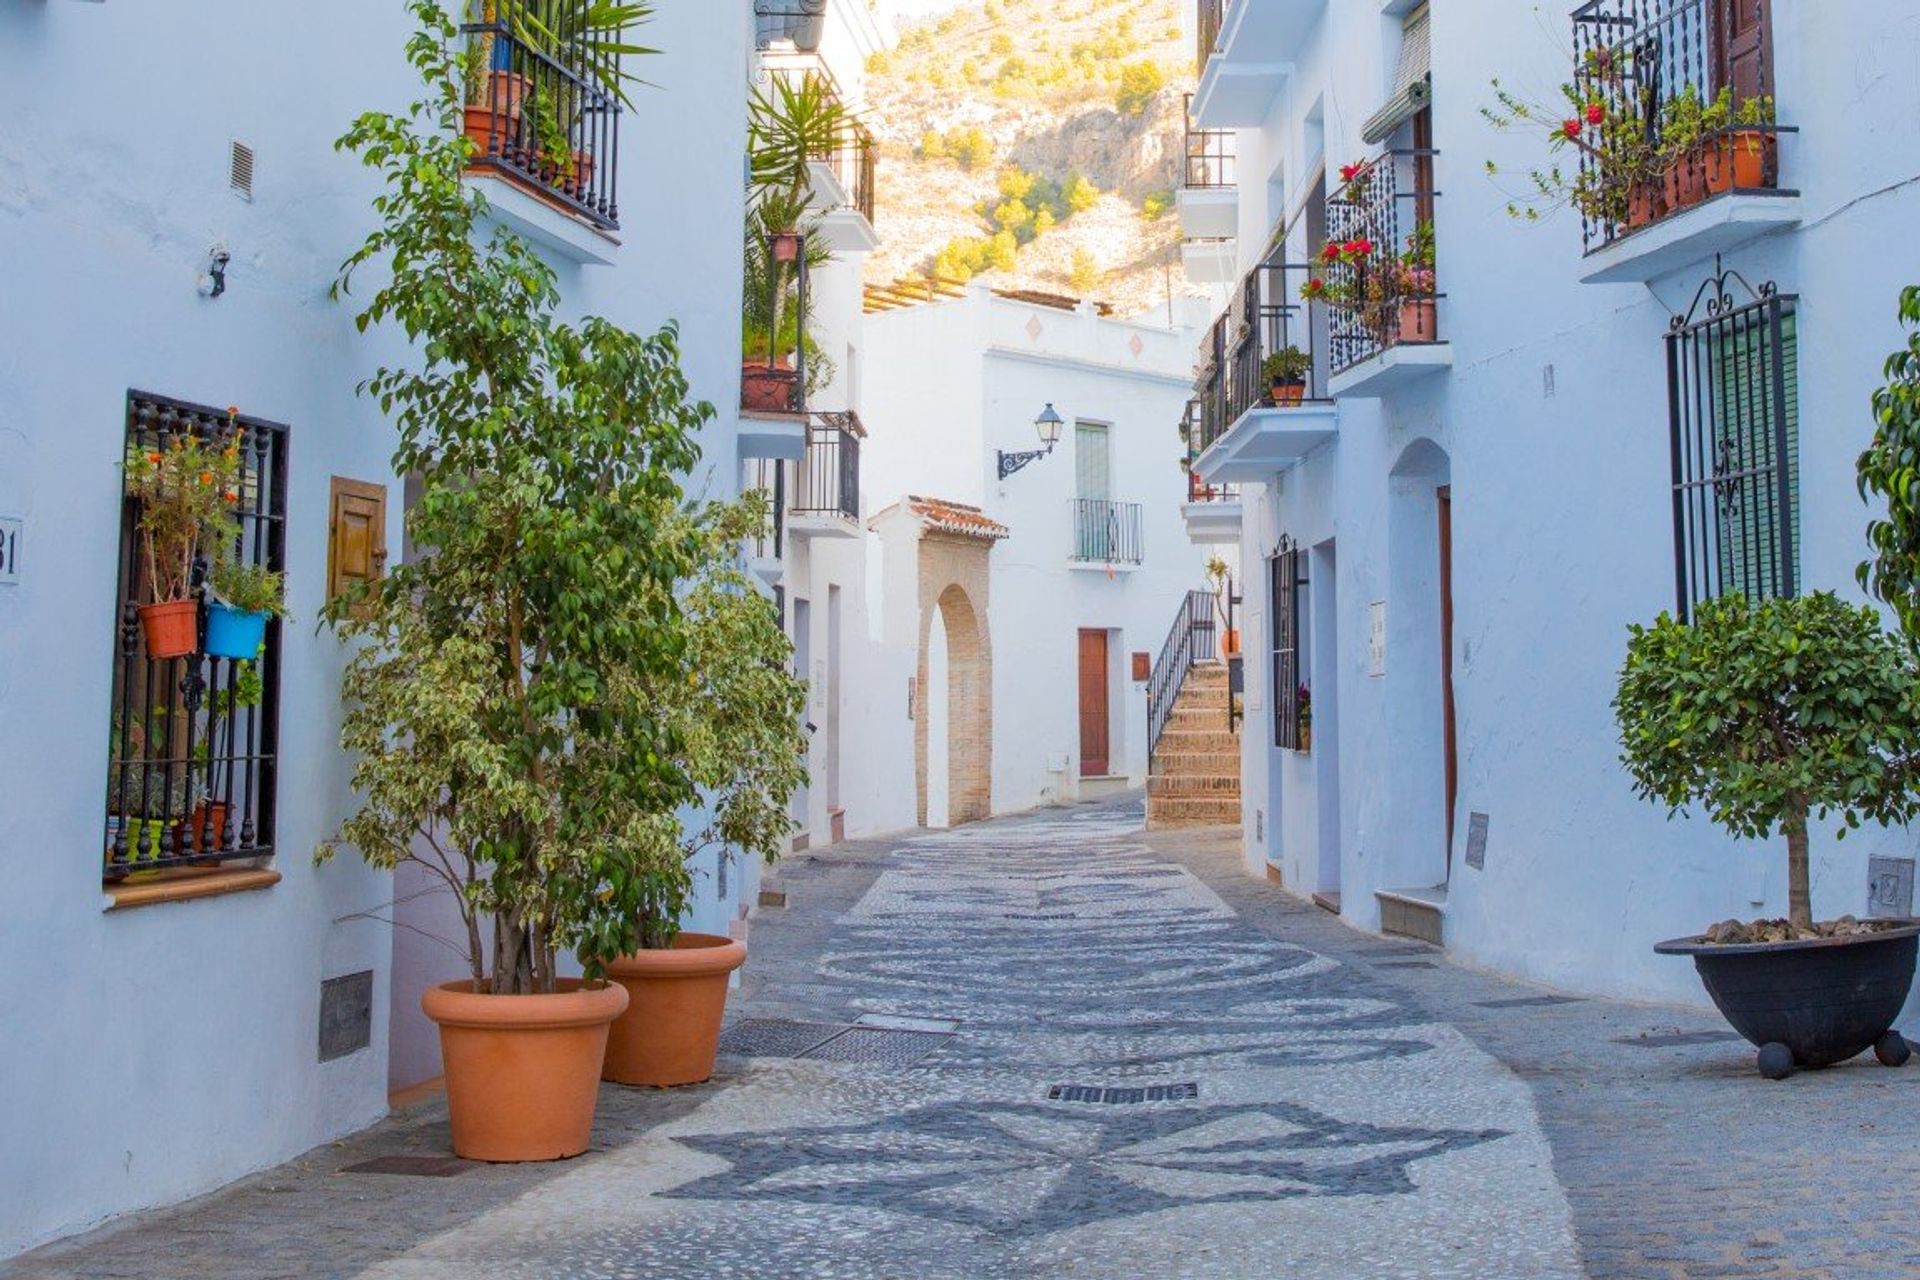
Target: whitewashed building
(1447,537)
(1024,580)
(167,255)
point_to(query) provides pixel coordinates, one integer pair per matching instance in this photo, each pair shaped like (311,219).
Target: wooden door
(356,537)
(1445,503)
(1743,60)
(1094,737)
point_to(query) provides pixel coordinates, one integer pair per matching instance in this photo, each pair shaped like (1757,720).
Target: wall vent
(240,170)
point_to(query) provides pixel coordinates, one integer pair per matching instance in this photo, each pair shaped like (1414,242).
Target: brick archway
(953,587)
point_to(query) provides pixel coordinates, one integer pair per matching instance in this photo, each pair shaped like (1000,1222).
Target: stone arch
(953,582)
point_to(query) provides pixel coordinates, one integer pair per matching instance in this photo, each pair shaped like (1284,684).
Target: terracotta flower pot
(1289,391)
(671,1030)
(786,246)
(493,132)
(523,1072)
(767,388)
(1419,320)
(172,629)
(1643,204)
(1685,182)
(207,828)
(1233,641)
(1741,161)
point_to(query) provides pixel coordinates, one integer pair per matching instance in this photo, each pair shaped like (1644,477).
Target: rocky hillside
(1036,143)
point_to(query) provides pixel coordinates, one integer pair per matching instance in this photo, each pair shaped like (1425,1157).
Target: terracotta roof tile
(956,517)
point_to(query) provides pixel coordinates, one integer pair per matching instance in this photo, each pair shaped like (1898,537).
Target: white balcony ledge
(1209,213)
(1212,524)
(1258,45)
(1237,95)
(563,234)
(773,435)
(1672,244)
(1266,440)
(1210,261)
(844,227)
(1102,566)
(1394,367)
(821,524)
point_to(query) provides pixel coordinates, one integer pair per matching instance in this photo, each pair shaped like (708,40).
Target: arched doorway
(955,738)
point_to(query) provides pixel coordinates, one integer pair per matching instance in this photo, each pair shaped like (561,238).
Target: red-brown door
(1743,60)
(1445,496)
(1093,705)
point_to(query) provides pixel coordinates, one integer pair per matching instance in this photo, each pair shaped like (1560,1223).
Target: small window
(1287,582)
(193,740)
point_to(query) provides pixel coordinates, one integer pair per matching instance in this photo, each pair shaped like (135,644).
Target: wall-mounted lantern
(1048,424)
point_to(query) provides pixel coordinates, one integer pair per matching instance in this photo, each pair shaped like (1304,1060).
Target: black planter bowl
(1813,1003)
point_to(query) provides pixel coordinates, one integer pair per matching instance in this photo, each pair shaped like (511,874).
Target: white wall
(173,1047)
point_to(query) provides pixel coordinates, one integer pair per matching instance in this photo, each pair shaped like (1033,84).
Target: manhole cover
(1526,1002)
(775,1037)
(1676,1039)
(412,1166)
(874,1044)
(1124,1095)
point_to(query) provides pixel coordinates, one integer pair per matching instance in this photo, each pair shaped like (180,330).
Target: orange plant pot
(1685,183)
(493,132)
(1233,641)
(1741,161)
(1643,204)
(1419,320)
(523,1072)
(670,1033)
(172,629)
(1287,393)
(767,388)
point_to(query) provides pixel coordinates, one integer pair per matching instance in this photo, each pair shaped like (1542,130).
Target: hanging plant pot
(786,246)
(1741,161)
(234,633)
(1811,1003)
(768,388)
(523,1072)
(171,628)
(670,1033)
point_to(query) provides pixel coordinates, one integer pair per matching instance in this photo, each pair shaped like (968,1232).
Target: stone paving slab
(1325,1111)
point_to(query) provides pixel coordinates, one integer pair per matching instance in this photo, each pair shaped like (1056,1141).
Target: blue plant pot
(232,633)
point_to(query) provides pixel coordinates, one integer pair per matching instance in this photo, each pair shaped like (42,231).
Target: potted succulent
(1414,284)
(739,713)
(1770,714)
(186,487)
(1741,152)
(497,691)
(242,598)
(1286,374)
(1684,126)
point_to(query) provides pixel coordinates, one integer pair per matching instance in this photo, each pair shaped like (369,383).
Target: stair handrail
(1192,639)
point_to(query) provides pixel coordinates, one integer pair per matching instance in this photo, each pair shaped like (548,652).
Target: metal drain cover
(1112,1095)
(775,1037)
(890,1045)
(875,1044)
(413,1166)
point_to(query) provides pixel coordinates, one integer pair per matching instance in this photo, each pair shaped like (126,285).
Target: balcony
(1209,198)
(789,24)
(1378,276)
(1682,158)
(1210,261)
(766,551)
(1212,512)
(544,121)
(1106,534)
(1262,403)
(825,493)
(774,362)
(843,188)
(1246,48)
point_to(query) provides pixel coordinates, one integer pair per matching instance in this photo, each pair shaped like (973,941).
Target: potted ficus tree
(185,488)
(1286,374)
(1770,714)
(737,712)
(496,702)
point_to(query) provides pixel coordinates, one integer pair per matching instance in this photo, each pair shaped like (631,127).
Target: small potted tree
(1769,714)
(1286,374)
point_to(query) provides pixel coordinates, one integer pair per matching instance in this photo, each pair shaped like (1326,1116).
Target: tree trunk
(1799,887)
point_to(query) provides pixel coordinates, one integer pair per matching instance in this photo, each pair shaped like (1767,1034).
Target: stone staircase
(1195,778)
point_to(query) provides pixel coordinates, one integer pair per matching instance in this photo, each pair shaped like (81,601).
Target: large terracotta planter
(1643,204)
(1419,320)
(1685,182)
(676,998)
(171,628)
(768,388)
(523,1072)
(1741,161)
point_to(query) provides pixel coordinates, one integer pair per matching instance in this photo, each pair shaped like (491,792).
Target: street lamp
(1048,424)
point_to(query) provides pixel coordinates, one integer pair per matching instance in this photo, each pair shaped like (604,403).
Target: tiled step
(1222,764)
(1200,717)
(1203,787)
(1176,741)
(1185,811)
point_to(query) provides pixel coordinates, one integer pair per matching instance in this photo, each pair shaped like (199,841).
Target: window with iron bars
(1286,581)
(1734,412)
(193,741)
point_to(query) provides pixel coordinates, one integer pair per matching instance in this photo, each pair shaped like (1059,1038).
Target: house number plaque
(10,550)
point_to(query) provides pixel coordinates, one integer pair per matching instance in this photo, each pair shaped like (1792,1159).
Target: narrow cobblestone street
(1081,1050)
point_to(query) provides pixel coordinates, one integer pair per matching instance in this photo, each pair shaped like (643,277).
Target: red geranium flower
(1571,128)
(1330,251)
(1348,171)
(1596,113)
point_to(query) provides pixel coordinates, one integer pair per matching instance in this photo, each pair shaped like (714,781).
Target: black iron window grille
(1683,100)
(1210,156)
(1193,638)
(1106,532)
(541,108)
(1286,581)
(193,742)
(829,479)
(1378,279)
(1209,17)
(1734,409)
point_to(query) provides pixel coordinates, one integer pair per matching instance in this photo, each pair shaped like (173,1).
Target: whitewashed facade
(1480,515)
(159,1052)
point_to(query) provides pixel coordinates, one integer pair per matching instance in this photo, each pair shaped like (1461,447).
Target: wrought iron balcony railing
(768,477)
(801,22)
(852,160)
(1199,490)
(539,108)
(1210,156)
(1377,276)
(1107,532)
(829,479)
(773,371)
(1682,109)
(1267,351)
(1209,16)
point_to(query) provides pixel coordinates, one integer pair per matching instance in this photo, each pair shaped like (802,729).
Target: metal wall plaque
(1477,841)
(1890,887)
(1377,638)
(346,1015)
(10,550)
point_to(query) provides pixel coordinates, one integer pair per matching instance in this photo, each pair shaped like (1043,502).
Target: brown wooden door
(1742,58)
(1094,739)
(1445,497)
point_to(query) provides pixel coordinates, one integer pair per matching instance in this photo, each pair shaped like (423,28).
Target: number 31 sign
(9,550)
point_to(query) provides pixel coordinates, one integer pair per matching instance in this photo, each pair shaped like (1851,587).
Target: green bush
(1155,205)
(1139,83)
(1079,194)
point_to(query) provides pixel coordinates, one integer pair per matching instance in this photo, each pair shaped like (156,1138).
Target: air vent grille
(240,171)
